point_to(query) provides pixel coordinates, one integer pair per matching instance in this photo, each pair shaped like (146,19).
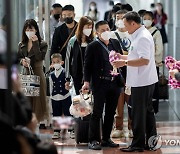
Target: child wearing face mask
(148,20)
(60,97)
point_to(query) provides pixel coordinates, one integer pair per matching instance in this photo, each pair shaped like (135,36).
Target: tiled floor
(168,127)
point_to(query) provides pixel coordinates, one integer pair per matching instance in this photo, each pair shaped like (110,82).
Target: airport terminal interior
(168,116)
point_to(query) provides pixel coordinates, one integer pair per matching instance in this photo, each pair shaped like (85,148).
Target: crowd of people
(80,54)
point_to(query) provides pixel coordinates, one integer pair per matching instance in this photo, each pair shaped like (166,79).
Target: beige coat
(37,55)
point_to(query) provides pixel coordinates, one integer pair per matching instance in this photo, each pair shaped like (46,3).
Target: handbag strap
(103,46)
(120,41)
(70,35)
(30,70)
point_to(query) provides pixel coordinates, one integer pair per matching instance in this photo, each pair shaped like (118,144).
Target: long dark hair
(30,23)
(162,10)
(95,5)
(85,20)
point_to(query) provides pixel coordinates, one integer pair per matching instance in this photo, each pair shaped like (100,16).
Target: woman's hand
(34,38)
(24,63)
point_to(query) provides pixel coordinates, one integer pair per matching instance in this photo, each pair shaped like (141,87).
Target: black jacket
(59,38)
(93,65)
(74,63)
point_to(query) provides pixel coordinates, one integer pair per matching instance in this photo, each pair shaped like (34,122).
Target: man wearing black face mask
(55,19)
(64,32)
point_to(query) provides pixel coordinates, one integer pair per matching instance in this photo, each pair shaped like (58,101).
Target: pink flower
(113,57)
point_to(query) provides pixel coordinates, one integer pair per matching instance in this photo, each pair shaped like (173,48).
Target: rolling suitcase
(81,129)
(163,86)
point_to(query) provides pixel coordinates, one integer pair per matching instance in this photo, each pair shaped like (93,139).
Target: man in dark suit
(105,87)
(62,33)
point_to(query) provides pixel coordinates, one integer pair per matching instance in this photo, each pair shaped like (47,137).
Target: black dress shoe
(94,145)
(132,149)
(109,143)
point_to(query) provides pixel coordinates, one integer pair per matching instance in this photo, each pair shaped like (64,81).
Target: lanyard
(103,46)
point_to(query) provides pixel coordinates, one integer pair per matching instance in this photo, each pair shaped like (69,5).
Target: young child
(60,97)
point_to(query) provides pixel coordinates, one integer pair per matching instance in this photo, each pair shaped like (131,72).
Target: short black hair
(152,5)
(141,12)
(68,8)
(99,23)
(121,12)
(56,5)
(4,21)
(115,8)
(149,13)
(127,7)
(132,16)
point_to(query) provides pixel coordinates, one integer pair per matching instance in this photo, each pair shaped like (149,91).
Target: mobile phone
(14,72)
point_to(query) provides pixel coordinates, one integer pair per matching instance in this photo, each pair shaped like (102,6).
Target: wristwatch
(126,62)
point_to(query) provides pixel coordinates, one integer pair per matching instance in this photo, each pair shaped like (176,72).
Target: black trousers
(3,100)
(77,84)
(107,93)
(143,120)
(156,94)
(61,107)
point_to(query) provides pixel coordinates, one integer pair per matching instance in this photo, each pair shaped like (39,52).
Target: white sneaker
(72,135)
(130,135)
(118,133)
(56,135)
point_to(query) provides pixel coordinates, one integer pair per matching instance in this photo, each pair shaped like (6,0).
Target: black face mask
(57,16)
(68,20)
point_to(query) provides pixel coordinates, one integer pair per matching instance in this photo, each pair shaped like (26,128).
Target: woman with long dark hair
(76,51)
(93,13)
(32,50)
(160,19)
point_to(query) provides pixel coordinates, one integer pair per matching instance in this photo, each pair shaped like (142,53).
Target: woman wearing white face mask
(148,20)
(93,12)
(31,51)
(74,62)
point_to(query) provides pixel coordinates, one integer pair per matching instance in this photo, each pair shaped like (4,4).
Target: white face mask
(30,34)
(120,24)
(106,35)
(87,32)
(92,8)
(57,66)
(147,23)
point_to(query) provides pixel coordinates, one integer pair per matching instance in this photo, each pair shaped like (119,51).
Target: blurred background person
(34,48)
(111,21)
(76,51)
(55,19)
(108,14)
(148,20)
(93,12)
(160,20)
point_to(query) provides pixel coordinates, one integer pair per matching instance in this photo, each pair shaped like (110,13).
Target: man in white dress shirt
(141,77)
